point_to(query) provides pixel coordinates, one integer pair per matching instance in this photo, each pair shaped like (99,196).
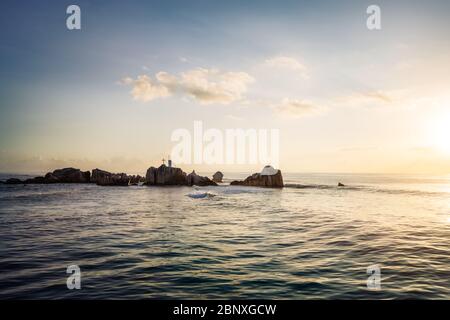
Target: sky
(344,98)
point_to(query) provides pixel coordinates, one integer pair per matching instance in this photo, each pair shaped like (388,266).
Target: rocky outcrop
(98,175)
(217,177)
(155,176)
(105,178)
(13,181)
(263,179)
(135,180)
(194,179)
(170,176)
(66,175)
(41,180)
(164,176)
(341,184)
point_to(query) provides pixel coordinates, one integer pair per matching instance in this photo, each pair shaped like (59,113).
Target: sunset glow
(251,153)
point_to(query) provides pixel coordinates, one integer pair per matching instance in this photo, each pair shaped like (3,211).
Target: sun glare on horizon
(439,129)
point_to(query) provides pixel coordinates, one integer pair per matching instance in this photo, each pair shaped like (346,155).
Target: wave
(310,186)
(410,192)
(321,186)
(367,189)
(35,195)
(200,195)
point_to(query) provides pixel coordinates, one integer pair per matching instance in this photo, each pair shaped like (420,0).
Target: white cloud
(379,95)
(370,98)
(145,89)
(213,86)
(203,85)
(287,63)
(297,108)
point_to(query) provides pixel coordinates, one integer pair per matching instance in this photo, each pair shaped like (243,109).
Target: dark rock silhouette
(41,180)
(66,175)
(217,177)
(263,179)
(155,176)
(170,176)
(13,181)
(194,179)
(135,180)
(164,176)
(341,185)
(105,178)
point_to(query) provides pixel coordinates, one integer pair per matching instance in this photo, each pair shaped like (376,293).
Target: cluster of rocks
(162,176)
(66,175)
(105,178)
(195,179)
(170,176)
(269,178)
(72,175)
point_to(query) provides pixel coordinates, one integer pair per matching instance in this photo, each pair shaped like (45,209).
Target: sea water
(310,240)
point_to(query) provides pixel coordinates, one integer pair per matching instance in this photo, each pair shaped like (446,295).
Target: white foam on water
(200,195)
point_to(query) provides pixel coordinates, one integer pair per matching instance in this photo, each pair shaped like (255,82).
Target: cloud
(145,89)
(297,108)
(369,98)
(213,86)
(287,63)
(378,95)
(206,86)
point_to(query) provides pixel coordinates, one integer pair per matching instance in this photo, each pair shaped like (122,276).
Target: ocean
(310,240)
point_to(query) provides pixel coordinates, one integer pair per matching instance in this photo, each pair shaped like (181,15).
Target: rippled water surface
(309,240)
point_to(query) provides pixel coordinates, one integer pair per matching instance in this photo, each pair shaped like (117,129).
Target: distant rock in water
(269,177)
(135,180)
(42,180)
(13,181)
(341,185)
(98,174)
(66,175)
(105,178)
(170,176)
(195,179)
(217,177)
(165,176)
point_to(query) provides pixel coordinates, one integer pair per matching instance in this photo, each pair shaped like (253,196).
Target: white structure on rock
(269,171)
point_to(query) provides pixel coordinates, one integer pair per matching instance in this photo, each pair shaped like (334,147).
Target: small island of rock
(217,177)
(269,178)
(105,178)
(171,176)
